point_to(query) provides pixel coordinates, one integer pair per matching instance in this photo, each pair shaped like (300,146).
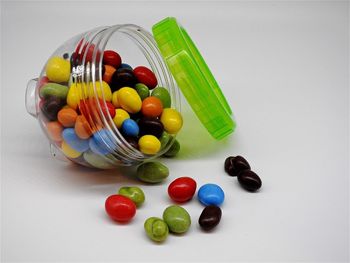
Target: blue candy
(124,65)
(71,138)
(102,142)
(130,128)
(211,194)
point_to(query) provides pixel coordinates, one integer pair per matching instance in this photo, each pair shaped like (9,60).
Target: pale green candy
(162,94)
(134,193)
(164,139)
(173,150)
(156,229)
(97,161)
(142,90)
(152,172)
(177,219)
(54,90)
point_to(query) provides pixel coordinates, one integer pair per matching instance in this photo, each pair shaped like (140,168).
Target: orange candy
(54,130)
(82,127)
(152,107)
(67,117)
(109,71)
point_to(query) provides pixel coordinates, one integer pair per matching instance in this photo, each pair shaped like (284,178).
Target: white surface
(284,69)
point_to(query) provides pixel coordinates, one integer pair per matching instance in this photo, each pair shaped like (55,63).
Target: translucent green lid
(194,78)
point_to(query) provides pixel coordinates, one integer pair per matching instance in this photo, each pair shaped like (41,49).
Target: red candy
(146,76)
(120,208)
(182,189)
(89,107)
(112,58)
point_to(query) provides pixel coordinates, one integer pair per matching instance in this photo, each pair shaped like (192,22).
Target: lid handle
(30,98)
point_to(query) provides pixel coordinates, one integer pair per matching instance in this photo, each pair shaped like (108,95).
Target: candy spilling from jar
(82,117)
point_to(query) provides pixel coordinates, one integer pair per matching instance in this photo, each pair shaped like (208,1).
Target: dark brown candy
(151,125)
(235,165)
(51,106)
(249,180)
(210,217)
(132,141)
(123,77)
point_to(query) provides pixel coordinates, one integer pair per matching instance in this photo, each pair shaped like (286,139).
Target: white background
(284,69)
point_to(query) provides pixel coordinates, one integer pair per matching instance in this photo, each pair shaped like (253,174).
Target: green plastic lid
(194,78)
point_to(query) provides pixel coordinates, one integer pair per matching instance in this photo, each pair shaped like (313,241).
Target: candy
(107,108)
(54,130)
(133,142)
(123,77)
(97,161)
(134,193)
(210,217)
(115,99)
(146,76)
(151,107)
(164,139)
(77,92)
(171,120)
(152,172)
(156,229)
(211,194)
(50,107)
(149,144)
(129,100)
(120,116)
(124,65)
(82,127)
(142,90)
(67,117)
(58,69)
(162,94)
(177,219)
(182,189)
(69,151)
(151,126)
(235,165)
(111,58)
(71,138)
(102,142)
(249,180)
(108,73)
(53,90)
(120,208)
(173,150)
(130,128)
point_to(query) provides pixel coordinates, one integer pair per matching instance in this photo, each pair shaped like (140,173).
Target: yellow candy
(106,90)
(115,99)
(69,151)
(120,116)
(58,69)
(75,93)
(171,120)
(129,100)
(149,144)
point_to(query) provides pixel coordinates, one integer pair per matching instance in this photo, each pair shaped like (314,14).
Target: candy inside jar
(108,97)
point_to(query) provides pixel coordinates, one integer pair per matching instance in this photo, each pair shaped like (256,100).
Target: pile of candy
(81,117)
(121,207)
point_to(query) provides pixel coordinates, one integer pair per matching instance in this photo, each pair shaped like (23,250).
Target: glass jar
(171,56)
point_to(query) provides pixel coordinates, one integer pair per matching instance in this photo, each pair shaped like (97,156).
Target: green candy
(152,172)
(156,229)
(177,219)
(98,161)
(173,150)
(134,193)
(142,90)
(164,139)
(54,90)
(162,94)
